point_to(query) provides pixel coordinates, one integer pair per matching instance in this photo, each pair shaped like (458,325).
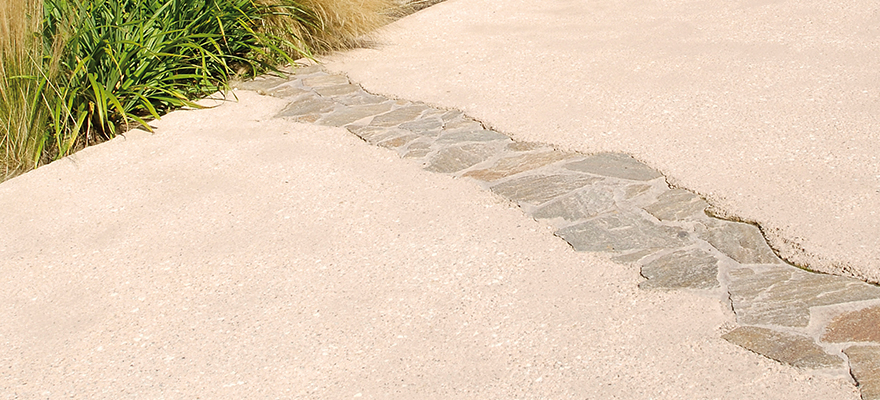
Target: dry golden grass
(20,89)
(331,24)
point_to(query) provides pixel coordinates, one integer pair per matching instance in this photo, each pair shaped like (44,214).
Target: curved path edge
(611,202)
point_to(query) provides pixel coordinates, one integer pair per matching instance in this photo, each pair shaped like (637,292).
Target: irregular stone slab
(398,116)
(325,80)
(514,165)
(635,190)
(376,134)
(287,92)
(691,269)
(452,115)
(739,241)
(262,84)
(537,189)
(306,105)
(582,204)
(526,146)
(417,150)
(398,141)
(346,115)
(462,123)
(615,165)
(676,205)
(337,90)
(796,350)
(619,232)
(856,326)
(457,158)
(360,97)
(633,256)
(423,125)
(481,135)
(783,295)
(864,364)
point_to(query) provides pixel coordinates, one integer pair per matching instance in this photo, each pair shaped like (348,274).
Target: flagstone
(677,204)
(855,326)
(585,203)
(692,269)
(615,165)
(783,295)
(399,116)
(537,189)
(864,364)
(740,241)
(619,232)
(513,165)
(796,350)
(456,158)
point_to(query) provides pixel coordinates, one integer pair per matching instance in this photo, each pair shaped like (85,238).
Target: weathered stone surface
(739,241)
(481,135)
(633,256)
(398,116)
(360,97)
(286,92)
(782,294)
(432,124)
(537,189)
(635,190)
(584,203)
(864,363)
(514,165)
(692,269)
(527,146)
(796,350)
(325,80)
(856,326)
(416,153)
(337,90)
(457,158)
(677,204)
(263,83)
(398,141)
(452,115)
(462,123)
(615,165)
(376,134)
(306,105)
(619,232)
(346,115)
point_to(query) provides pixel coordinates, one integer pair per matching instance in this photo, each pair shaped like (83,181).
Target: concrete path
(238,253)
(769,109)
(609,202)
(259,250)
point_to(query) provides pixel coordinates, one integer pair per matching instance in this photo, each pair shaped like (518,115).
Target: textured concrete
(768,109)
(239,253)
(612,203)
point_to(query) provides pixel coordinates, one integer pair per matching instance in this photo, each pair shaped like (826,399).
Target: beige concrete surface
(234,256)
(767,108)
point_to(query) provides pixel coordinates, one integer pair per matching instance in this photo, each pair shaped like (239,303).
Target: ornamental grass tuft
(74,73)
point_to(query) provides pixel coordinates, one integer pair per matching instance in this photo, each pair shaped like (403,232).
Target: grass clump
(23,104)
(77,72)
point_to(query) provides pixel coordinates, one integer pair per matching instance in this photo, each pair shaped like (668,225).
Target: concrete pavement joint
(610,202)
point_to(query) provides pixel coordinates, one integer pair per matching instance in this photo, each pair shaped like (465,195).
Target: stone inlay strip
(611,202)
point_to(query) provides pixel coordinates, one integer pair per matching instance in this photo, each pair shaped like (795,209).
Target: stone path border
(610,202)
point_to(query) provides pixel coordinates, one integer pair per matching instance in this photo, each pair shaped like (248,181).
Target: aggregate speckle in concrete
(611,202)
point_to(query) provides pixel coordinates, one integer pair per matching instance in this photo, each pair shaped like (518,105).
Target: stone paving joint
(611,202)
